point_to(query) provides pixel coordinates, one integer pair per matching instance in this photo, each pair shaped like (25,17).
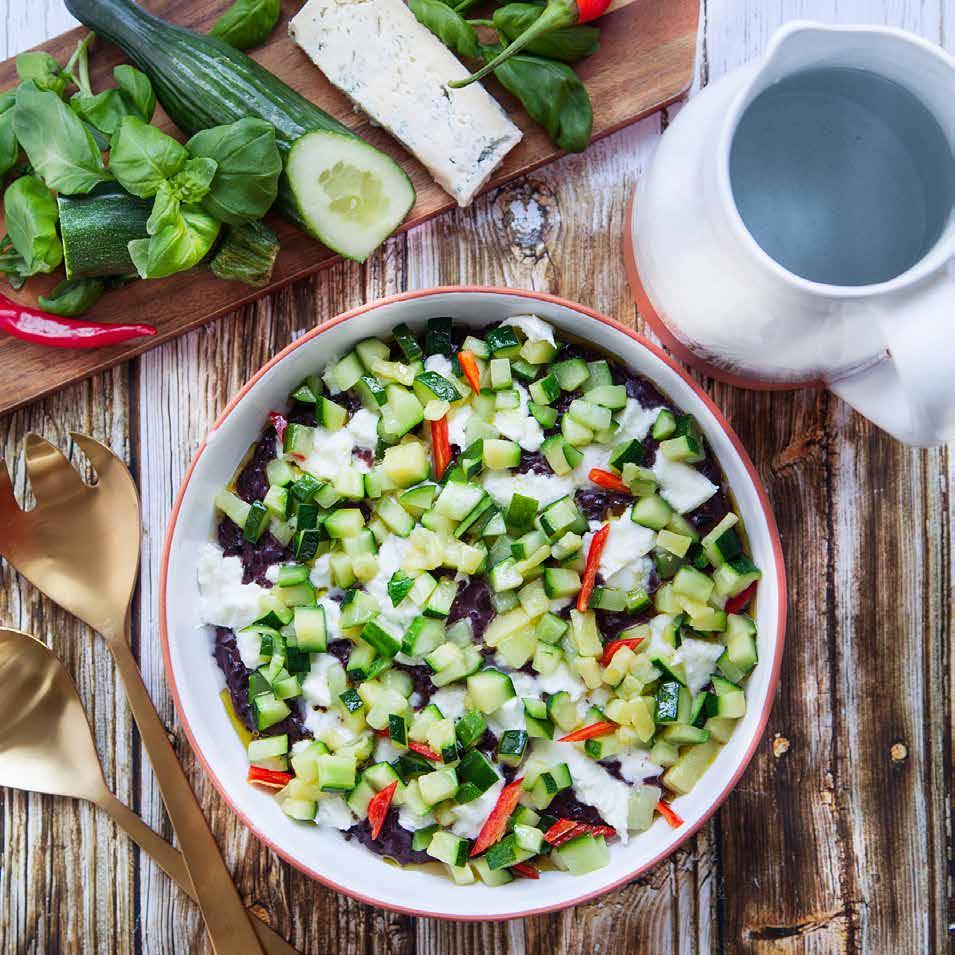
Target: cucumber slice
(349,195)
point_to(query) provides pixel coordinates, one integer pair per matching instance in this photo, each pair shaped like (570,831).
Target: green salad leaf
(72,296)
(447,25)
(104,111)
(247,23)
(552,94)
(60,148)
(137,90)
(143,157)
(565,43)
(43,70)
(31,214)
(9,147)
(181,242)
(249,165)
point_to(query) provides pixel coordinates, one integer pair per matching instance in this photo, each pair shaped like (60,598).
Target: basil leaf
(191,184)
(247,254)
(552,94)
(104,111)
(447,25)
(177,246)
(9,147)
(247,23)
(60,148)
(137,90)
(165,211)
(72,296)
(31,214)
(246,183)
(565,43)
(143,157)
(43,70)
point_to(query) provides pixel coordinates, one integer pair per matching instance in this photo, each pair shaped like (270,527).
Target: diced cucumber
(449,848)
(344,522)
(511,747)
(571,373)
(490,689)
(684,448)
(730,699)
(376,636)
(499,454)
(546,390)
(590,415)
(664,426)
(502,342)
(734,576)
(406,464)
(456,501)
(310,629)
(560,455)
(575,433)
(561,582)
(438,785)
(489,876)
(685,773)
(438,336)
(470,729)
(423,636)
(651,511)
(233,507)
(584,854)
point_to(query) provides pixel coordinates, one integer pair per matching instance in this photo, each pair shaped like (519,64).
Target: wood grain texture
(837,839)
(645,60)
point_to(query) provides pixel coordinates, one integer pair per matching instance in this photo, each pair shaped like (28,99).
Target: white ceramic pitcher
(732,309)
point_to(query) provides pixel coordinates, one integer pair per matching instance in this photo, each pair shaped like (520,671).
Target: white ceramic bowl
(196,681)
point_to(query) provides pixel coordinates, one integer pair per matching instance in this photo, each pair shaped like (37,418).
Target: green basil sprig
(143,157)
(247,23)
(552,94)
(137,90)
(43,70)
(31,213)
(568,44)
(72,296)
(447,25)
(9,147)
(182,241)
(60,148)
(248,169)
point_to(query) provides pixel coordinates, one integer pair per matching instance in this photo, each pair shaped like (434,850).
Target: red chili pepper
(423,750)
(496,824)
(560,832)
(615,645)
(668,814)
(41,328)
(440,446)
(593,564)
(378,808)
(608,480)
(268,777)
(526,869)
(608,832)
(468,364)
(555,16)
(601,728)
(280,423)
(741,600)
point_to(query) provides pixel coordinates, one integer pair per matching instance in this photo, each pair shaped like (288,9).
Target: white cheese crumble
(470,817)
(681,486)
(636,765)
(397,71)
(508,716)
(635,421)
(410,820)
(334,812)
(592,783)
(450,700)
(544,488)
(328,377)
(321,572)
(363,427)
(699,661)
(458,418)
(331,452)
(517,424)
(440,364)
(562,679)
(622,561)
(224,600)
(315,688)
(535,329)
(391,554)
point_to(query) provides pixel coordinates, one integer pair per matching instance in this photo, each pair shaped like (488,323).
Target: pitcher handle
(911,393)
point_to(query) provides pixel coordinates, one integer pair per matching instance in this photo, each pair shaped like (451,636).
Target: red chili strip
(469,366)
(592,566)
(268,777)
(526,869)
(563,827)
(588,10)
(601,728)
(440,446)
(611,648)
(742,600)
(423,750)
(41,328)
(378,808)
(496,824)
(608,480)
(671,817)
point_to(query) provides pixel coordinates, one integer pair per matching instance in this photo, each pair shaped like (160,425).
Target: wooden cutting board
(645,61)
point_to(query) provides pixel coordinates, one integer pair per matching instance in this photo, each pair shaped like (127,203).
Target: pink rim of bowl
(779,575)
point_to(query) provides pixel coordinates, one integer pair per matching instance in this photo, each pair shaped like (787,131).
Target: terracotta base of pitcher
(649,314)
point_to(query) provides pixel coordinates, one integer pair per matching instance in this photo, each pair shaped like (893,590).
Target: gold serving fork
(80,546)
(47,746)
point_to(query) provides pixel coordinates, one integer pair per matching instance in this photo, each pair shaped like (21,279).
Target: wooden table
(837,839)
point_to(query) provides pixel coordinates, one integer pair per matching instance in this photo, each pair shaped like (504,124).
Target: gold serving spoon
(80,546)
(46,746)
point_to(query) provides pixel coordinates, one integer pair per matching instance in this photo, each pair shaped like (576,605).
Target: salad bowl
(196,681)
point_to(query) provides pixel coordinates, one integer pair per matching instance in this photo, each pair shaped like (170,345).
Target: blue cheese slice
(397,71)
